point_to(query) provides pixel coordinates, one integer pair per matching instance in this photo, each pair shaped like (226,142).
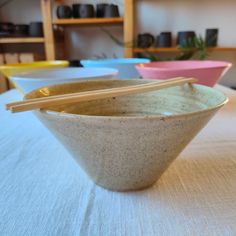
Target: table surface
(44,192)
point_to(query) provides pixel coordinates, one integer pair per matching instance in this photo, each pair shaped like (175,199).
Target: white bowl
(125,66)
(29,81)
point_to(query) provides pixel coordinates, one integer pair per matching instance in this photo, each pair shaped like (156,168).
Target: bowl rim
(142,117)
(115,61)
(20,76)
(218,64)
(48,63)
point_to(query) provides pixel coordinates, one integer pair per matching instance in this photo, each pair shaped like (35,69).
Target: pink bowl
(207,72)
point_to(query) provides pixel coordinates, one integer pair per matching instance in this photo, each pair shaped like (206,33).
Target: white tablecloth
(44,192)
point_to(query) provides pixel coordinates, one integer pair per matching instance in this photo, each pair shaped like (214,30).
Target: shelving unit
(128,30)
(22,40)
(129,35)
(47,40)
(175,49)
(88,21)
(49,22)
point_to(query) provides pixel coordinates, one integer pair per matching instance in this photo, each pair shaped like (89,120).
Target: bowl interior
(66,73)
(167,102)
(11,69)
(185,65)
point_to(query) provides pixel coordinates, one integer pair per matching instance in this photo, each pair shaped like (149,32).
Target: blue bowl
(125,66)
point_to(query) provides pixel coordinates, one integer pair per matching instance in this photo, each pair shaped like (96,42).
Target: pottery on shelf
(184,36)
(100,9)
(6,28)
(86,11)
(64,12)
(145,40)
(76,10)
(164,40)
(211,37)
(36,29)
(21,30)
(111,10)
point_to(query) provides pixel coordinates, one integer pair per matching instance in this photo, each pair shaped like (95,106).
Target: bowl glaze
(207,72)
(126,143)
(27,82)
(125,66)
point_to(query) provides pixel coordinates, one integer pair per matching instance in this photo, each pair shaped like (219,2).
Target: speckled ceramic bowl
(126,143)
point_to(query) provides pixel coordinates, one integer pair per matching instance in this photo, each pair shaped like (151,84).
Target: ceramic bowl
(125,66)
(126,143)
(207,72)
(11,69)
(27,82)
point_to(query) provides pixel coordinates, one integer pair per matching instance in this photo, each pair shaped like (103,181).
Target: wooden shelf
(88,21)
(175,49)
(21,40)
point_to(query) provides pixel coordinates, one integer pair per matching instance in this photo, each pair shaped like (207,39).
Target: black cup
(6,27)
(211,37)
(111,11)
(64,12)
(86,11)
(76,10)
(164,40)
(36,29)
(145,40)
(21,30)
(100,9)
(74,63)
(184,36)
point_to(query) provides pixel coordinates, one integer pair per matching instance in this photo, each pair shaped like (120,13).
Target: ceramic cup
(86,11)
(100,9)
(145,40)
(74,63)
(164,40)
(184,36)
(36,29)
(6,27)
(21,30)
(211,37)
(76,10)
(64,12)
(111,11)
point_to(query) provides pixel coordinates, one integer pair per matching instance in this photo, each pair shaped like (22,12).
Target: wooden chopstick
(44,102)
(75,94)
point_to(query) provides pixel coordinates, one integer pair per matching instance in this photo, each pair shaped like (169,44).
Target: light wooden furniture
(129,35)
(127,21)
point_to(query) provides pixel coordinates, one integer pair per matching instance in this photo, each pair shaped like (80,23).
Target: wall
(152,16)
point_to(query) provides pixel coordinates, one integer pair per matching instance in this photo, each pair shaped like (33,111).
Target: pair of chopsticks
(38,103)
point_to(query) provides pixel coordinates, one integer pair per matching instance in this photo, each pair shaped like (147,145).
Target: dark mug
(100,9)
(111,11)
(21,30)
(74,63)
(185,36)
(211,37)
(164,40)
(36,29)
(6,27)
(64,12)
(145,40)
(76,10)
(86,11)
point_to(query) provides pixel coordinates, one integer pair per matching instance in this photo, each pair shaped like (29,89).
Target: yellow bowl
(11,69)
